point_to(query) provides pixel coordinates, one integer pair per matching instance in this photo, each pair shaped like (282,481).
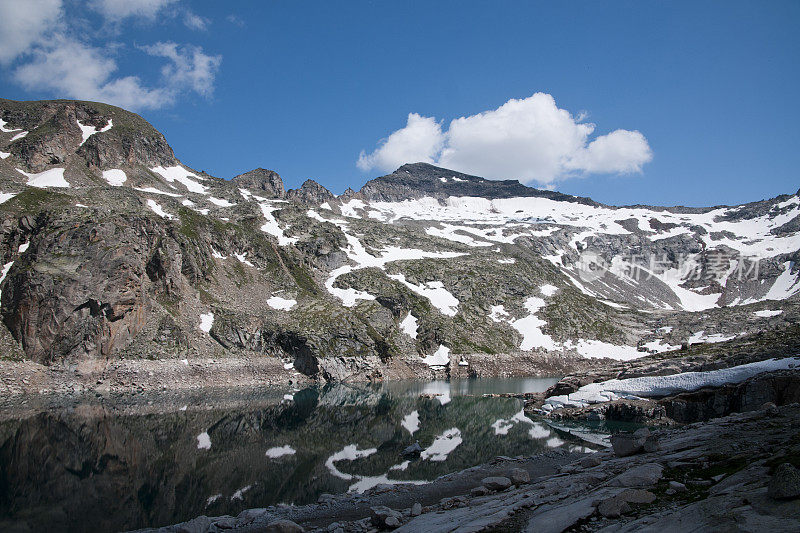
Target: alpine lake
(111,462)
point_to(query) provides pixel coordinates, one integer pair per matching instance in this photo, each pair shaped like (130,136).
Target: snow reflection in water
(232,449)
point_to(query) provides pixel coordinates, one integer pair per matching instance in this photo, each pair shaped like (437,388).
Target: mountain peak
(417,180)
(262,180)
(102,135)
(311,193)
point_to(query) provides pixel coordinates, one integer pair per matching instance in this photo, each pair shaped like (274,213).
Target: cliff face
(112,248)
(262,182)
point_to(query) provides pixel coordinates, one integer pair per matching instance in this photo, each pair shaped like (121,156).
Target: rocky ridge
(113,249)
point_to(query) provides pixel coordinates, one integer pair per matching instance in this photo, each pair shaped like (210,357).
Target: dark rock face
(54,135)
(421,179)
(785,483)
(85,289)
(262,182)
(310,193)
(780,388)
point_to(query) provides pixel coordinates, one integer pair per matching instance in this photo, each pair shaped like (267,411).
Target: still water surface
(106,463)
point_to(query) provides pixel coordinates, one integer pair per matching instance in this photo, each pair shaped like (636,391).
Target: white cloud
(42,39)
(194,21)
(188,66)
(24,23)
(117,10)
(76,70)
(620,151)
(529,139)
(420,141)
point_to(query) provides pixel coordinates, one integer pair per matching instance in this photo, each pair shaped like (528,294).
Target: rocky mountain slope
(113,249)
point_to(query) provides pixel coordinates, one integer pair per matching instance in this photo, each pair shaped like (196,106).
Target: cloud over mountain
(44,52)
(529,139)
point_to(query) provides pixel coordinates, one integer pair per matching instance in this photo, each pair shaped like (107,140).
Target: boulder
(618,505)
(416,509)
(644,475)
(518,476)
(785,483)
(677,486)
(496,483)
(412,451)
(626,444)
(391,522)
(479,491)
(651,444)
(386,518)
(613,507)
(591,461)
(637,496)
(283,526)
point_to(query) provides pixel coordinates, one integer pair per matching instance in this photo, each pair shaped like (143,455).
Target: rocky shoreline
(131,375)
(737,472)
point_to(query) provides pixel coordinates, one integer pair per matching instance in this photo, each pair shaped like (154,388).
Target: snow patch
(548,290)
(53,177)
(88,131)
(4,272)
(220,202)
(243,259)
(443,445)
(271,226)
(411,422)
(766,313)
(274,453)
(115,177)
(409,326)
(239,494)
(181,175)
(206,321)
(503,425)
(531,327)
(348,453)
(158,210)
(7,130)
(786,285)
(203,441)
(440,298)
(441,357)
(498,313)
(153,190)
(598,349)
(701,337)
(658,346)
(281,304)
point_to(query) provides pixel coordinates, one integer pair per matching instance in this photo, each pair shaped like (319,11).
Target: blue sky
(693,103)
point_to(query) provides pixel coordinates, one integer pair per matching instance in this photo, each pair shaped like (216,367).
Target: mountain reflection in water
(123,462)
